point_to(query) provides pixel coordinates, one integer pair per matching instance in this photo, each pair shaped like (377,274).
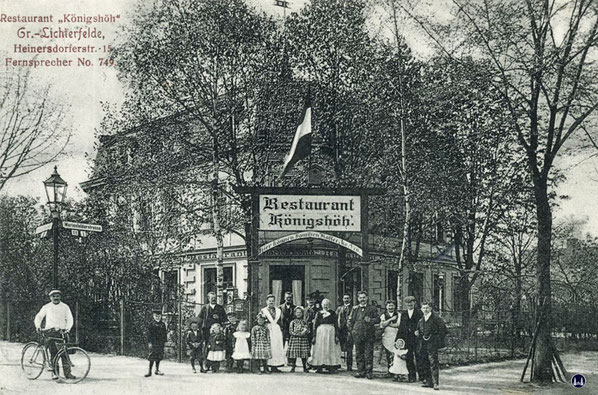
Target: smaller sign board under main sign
(81,226)
(310,212)
(43,228)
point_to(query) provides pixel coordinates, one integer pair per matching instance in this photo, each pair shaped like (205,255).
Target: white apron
(278,358)
(389,335)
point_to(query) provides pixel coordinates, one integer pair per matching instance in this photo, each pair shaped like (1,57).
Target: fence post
(77,322)
(7,320)
(122,327)
(180,336)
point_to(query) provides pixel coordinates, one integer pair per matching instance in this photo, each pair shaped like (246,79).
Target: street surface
(124,375)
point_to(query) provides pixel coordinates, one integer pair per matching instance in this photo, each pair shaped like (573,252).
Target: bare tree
(31,125)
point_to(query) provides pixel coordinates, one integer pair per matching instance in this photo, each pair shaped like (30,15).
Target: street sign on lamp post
(56,192)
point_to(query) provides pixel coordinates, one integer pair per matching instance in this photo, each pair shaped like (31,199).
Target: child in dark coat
(194,345)
(156,338)
(216,347)
(229,330)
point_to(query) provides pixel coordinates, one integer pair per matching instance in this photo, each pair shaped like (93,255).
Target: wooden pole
(180,336)
(253,262)
(365,259)
(8,321)
(555,368)
(77,322)
(531,371)
(122,327)
(531,351)
(557,357)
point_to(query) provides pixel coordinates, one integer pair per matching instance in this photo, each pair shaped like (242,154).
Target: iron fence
(120,327)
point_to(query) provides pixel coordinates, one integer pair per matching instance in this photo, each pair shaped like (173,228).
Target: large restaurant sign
(310,213)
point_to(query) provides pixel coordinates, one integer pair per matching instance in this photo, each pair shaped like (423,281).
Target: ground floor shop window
(285,278)
(210,283)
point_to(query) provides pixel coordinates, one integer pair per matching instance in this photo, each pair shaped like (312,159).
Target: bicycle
(36,356)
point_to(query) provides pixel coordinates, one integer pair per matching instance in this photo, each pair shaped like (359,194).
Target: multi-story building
(302,266)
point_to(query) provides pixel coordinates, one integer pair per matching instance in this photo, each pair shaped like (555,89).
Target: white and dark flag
(301,147)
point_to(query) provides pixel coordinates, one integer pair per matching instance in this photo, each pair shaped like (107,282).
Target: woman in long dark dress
(327,350)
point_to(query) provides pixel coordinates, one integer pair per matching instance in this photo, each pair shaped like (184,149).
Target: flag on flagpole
(301,147)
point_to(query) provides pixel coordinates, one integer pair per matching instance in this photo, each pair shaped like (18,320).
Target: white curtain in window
(277,291)
(297,297)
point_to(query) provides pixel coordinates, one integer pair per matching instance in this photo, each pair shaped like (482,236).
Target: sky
(84,89)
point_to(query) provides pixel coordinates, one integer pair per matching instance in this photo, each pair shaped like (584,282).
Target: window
(439,233)
(391,286)
(209,280)
(351,280)
(171,288)
(439,292)
(145,215)
(455,288)
(416,286)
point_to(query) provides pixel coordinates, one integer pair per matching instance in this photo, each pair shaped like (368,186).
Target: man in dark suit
(210,314)
(342,312)
(362,326)
(431,333)
(288,314)
(407,328)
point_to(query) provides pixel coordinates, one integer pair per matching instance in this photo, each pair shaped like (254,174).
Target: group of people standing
(316,335)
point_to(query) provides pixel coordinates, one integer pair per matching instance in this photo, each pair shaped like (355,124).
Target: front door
(285,278)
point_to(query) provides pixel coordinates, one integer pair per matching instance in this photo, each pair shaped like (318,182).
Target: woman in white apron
(389,322)
(273,315)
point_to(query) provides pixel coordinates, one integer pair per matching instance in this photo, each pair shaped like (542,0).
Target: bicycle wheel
(33,360)
(73,365)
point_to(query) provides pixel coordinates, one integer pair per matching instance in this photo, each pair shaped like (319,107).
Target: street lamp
(56,192)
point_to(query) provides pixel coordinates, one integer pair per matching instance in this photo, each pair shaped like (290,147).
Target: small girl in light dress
(241,347)
(216,347)
(399,362)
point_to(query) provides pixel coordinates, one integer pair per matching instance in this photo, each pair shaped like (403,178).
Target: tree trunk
(216,223)
(544,351)
(463,288)
(3,302)
(516,313)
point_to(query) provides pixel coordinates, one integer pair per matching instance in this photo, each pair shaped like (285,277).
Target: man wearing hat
(342,312)
(407,328)
(361,324)
(59,320)
(210,314)
(156,338)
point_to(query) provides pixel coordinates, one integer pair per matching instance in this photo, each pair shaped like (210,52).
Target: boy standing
(229,329)
(194,342)
(156,338)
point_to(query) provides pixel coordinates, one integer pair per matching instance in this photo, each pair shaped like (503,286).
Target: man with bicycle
(59,320)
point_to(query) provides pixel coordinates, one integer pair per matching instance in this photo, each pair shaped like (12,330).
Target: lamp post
(55,191)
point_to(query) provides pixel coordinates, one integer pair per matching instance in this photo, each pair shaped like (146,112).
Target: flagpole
(311,154)
(309,170)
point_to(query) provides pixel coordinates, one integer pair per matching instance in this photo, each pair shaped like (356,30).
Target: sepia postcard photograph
(299,197)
